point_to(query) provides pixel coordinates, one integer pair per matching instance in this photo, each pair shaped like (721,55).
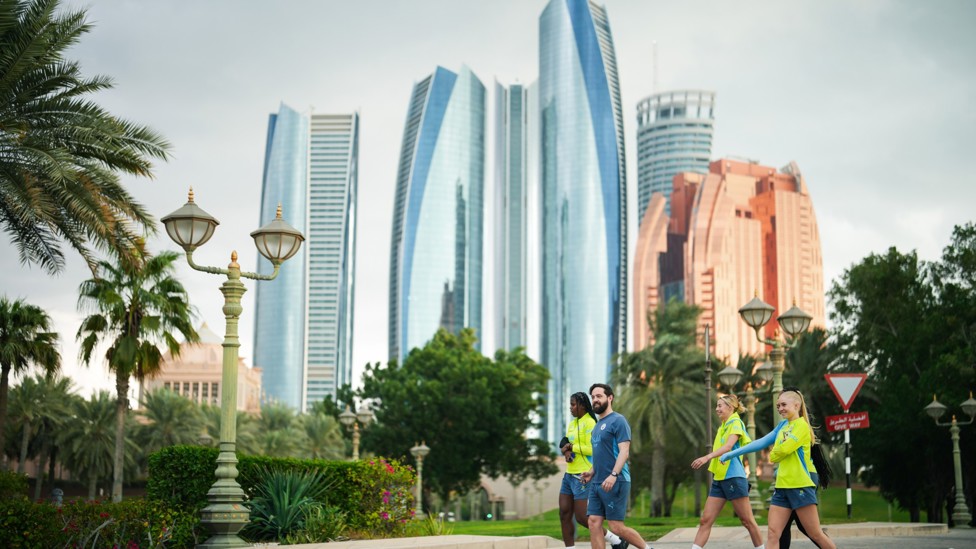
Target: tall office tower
(742,228)
(584,220)
(436,245)
(674,135)
(511,215)
(303,323)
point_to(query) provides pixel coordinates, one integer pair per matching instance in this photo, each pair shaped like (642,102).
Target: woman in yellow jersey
(729,482)
(578,451)
(795,487)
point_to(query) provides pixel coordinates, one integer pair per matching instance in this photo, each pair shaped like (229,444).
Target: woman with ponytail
(729,482)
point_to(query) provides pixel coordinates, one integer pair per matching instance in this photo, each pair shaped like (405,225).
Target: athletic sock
(614,539)
(693,546)
(763,546)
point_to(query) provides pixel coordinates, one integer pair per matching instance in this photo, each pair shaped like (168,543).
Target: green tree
(60,153)
(40,406)
(660,386)
(278,433)
(169,419)
(88,440)
(323,437)
(247,429)
(471,410)
(134,307)
(26,340)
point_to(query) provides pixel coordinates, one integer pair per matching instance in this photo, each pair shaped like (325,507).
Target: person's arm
(793,440)
(756,445)
(729,443)
(584,445)
(618,466)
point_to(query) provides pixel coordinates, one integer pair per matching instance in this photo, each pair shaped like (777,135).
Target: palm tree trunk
(657,477)
(24,441)
(92,486)
(40,475)
(121,405)
(4,382)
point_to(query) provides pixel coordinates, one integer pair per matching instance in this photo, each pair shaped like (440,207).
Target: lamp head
(365,415)
(347,418)
(794,322)
(729,376)
(420,450)
(766,372)
(190,226)
(756,313)
(935,409)
(969,406)
(278,241)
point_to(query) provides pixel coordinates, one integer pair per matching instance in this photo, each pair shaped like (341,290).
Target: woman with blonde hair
(795,487)
(729,482)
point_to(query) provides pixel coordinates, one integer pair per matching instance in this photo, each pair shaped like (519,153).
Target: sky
(872,99)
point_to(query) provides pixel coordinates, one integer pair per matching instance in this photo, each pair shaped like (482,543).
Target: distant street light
(960,512)
(191,227)
(362,416)
(420,451)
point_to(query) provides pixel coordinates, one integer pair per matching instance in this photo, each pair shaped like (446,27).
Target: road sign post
(846,387)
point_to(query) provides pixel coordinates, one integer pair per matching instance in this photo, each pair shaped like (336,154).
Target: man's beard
(600,408)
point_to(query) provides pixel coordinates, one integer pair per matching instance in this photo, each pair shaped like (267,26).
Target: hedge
(375,493)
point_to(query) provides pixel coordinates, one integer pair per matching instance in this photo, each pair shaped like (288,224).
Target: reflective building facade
(436,243)
(674,135)
(511,215)
(303,323)
(583,180)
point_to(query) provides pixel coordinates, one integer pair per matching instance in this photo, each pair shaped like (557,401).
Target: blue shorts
(794,498)
(611,505)
(573,486)
(730,488)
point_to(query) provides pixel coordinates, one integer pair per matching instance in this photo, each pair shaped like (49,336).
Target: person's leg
(626,533)
(744,511)
(786,538)
(566,518)
(799,525)
(595,523)
(811,520)
(713,506)
(775,523)
(580,507)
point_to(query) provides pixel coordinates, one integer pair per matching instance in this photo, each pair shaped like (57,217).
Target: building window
(196,392)
(214,390)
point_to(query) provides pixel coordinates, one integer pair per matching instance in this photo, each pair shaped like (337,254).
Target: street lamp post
(960,512)
(730,377)
(362,416)
(420,451)
(191,227)
(794,322)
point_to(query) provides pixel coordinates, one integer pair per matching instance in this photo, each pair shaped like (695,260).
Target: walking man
(610,473)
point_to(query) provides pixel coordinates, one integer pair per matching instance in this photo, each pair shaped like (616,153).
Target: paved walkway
(864,535)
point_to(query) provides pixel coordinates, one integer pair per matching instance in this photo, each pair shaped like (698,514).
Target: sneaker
(622,545)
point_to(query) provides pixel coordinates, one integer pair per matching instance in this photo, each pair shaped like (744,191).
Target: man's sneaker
(622,545)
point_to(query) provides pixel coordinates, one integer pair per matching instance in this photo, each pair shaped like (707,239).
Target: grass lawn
(867,506)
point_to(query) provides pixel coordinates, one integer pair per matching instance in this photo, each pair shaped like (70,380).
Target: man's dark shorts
(611,505)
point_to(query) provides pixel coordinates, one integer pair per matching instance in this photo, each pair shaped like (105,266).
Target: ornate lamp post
(191,227)
(352,421)
(960,512)
(420,451)
(730,377)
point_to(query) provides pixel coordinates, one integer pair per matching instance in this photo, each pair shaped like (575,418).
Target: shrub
(322,525)
(281,500)
(375,495)
(12,485)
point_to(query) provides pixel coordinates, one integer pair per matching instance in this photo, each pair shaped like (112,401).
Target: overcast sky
(873,100)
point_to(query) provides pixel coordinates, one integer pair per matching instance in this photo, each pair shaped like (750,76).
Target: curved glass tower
(303,327)
(436,245)
(584,227)
(674,135)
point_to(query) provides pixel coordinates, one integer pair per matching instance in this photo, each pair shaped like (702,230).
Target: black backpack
(820,463)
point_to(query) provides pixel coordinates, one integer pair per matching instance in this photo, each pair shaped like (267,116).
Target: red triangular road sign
(845,387)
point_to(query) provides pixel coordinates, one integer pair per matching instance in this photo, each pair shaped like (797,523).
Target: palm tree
(88,440)
(26,407)
(39,406)
(278,434)
(323,436)
(660,386)
(247,427)
(134,307)
(171,419)
(25,339)
(60,153)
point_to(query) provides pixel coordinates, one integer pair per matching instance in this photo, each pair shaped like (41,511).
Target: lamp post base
(224,520)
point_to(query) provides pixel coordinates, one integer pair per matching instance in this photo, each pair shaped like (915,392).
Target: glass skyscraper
(511,215)
(674,135)
(303,326)
(436,243)
(584,221)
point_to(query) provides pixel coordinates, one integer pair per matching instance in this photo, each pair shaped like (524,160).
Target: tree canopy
(472,411)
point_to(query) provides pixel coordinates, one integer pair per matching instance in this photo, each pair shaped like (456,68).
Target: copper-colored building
(196,374)
(740,229)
